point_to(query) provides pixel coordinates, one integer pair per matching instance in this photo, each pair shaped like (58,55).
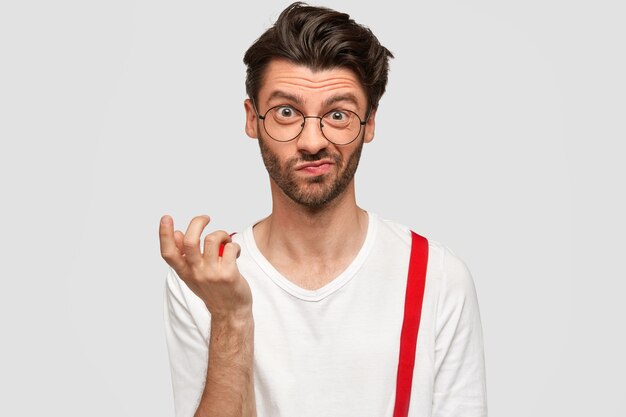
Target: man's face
(309,170)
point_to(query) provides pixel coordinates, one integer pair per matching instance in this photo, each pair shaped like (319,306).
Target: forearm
(229,387)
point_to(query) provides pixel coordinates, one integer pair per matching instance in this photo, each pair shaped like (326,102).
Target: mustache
(312,157)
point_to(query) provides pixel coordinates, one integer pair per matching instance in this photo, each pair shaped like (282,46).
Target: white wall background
(501,135)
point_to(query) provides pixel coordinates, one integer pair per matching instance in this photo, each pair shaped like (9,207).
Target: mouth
(315,168)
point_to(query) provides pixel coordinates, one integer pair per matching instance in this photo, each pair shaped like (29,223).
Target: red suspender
(410,326)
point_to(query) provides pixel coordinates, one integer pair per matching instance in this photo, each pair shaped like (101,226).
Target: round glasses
(284,123)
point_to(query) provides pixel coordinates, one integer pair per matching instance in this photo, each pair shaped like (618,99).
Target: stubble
(316,192)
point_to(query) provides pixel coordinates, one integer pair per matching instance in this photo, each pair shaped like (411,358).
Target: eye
(285,112)
(338,116)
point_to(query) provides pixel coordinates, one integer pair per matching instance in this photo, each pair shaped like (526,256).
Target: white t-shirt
(333,352)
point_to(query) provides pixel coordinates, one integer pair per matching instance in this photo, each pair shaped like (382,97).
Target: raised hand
(214,278)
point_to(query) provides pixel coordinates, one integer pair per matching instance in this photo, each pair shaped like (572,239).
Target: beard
(315,192)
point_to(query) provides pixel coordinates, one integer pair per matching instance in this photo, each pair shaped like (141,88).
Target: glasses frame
(361,122)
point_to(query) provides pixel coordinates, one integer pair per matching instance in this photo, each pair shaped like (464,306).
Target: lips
(316,168)
(314,164)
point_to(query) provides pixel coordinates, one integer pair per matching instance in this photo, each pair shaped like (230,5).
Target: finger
(178,238)
(169,249)
(231,252)
(191,240)
(222,245)
(212,244)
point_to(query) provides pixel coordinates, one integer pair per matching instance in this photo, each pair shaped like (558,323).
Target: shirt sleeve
(187,344)
(460,385)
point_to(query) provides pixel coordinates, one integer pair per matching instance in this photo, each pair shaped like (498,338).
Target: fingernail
(165,219)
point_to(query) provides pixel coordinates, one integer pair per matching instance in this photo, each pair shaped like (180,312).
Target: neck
(303,235)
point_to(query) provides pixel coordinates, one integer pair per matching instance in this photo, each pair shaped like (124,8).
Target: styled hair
(320,39)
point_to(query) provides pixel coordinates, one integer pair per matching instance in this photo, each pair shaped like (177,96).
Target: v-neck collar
(328,289)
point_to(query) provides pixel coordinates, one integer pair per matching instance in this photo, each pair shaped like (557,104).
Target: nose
(311,139)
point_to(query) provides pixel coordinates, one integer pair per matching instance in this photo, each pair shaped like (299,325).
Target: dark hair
(320,38)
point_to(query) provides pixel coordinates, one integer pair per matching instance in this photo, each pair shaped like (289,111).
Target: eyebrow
(291,97)
(341,97)
(299,100)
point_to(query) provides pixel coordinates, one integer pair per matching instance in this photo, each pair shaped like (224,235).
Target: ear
(370,127)
(251,119)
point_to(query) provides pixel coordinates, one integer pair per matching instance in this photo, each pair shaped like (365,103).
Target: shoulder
(443,264)
(453,270)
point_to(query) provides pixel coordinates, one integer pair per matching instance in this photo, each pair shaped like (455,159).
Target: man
(301,314)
